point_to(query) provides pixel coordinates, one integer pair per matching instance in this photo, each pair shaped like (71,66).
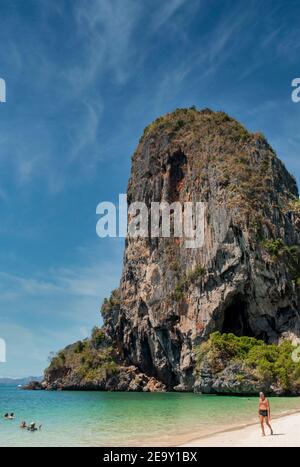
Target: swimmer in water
(32,427)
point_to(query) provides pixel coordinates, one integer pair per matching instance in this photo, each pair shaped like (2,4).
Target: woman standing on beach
(264,413)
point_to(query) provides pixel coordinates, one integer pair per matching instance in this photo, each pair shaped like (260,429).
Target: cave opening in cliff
(236,319)
(177,162)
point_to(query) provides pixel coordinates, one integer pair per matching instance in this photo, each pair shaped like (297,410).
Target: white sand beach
(286,434)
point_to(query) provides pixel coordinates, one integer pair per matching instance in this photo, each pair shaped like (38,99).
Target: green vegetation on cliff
(289,255)
(89,361)
(110,303)
(268,364)
(242,280)
(191,277)
(225,150)
(192,119)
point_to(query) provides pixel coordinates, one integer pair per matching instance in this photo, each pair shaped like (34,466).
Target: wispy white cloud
(164,13)
(27,350)
(22,359)
(90,281)
(47,310)
(121,62)
(106,28)
(43,146)
(84,135)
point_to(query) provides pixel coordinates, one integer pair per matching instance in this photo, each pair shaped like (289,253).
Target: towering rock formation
(246,277)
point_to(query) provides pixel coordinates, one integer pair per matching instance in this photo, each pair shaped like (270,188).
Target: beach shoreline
(286,434)
(118,419)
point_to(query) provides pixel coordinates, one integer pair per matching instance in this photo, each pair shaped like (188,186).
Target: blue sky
(83,80)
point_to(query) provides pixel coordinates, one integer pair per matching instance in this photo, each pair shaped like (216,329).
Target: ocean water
(123,419)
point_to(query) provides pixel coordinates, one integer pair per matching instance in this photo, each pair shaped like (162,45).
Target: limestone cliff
(246,277)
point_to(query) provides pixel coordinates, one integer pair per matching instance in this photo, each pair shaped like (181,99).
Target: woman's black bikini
(263,413)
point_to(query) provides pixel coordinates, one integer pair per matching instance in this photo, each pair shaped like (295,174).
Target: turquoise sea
(123,419)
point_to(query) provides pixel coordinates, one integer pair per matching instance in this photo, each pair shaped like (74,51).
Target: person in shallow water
(32,427)
(6,416)
(23,425)
(11,416)
(264,413)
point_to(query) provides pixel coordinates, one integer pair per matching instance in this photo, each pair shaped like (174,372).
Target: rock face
(93,364)
(208,157)
(125,379)
(228,364)
(34,386)
(228,382)
(245,278)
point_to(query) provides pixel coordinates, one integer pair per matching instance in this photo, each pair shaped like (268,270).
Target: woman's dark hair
(6,415)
